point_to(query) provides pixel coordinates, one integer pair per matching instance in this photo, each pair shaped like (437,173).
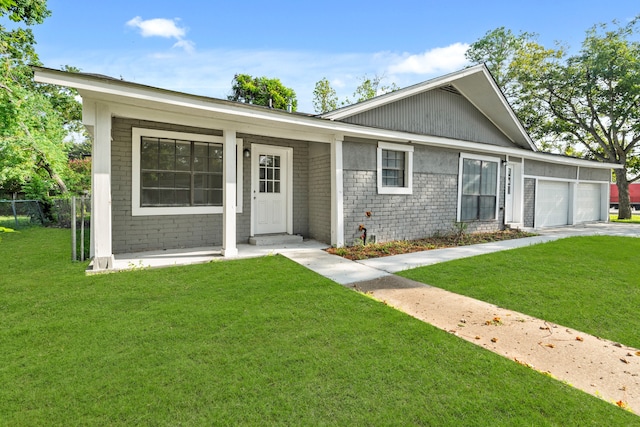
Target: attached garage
(552,203)
(589,202)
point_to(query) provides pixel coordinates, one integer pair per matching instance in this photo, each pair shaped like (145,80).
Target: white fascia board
(322,129)
(506,107)
(103,87)
(399,94)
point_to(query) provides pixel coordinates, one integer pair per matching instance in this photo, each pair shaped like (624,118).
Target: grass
(10,221)
(586,283)
(635,219)
(396,247)
(252,342)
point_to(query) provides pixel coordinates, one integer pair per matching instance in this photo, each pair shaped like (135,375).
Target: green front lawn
(586,283)
(635,219)
(252,342)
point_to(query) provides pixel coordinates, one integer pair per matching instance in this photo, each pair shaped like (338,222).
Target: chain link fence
(21,213)
(72,213)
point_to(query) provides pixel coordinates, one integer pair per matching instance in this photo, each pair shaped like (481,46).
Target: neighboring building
(173,170)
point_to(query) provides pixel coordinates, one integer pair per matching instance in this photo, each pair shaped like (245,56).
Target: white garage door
(552,204)
(588,202)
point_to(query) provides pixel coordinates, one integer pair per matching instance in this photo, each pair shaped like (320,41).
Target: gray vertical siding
(551,170)
(437,112)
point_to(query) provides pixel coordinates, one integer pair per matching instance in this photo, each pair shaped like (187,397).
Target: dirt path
(602,368)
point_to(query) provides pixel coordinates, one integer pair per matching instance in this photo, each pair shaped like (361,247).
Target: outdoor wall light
(246,152)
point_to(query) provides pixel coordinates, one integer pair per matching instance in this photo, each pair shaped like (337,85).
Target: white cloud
(157,27)
(187,45)
(160,27)
(210,72)
(437,60)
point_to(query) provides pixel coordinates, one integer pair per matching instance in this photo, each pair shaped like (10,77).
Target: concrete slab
(396,263)
(175,257)
(338,269)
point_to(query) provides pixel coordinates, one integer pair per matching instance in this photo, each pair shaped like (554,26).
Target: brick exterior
(529,202)
(431,209)
(300,178)
(141,233)
(320,196)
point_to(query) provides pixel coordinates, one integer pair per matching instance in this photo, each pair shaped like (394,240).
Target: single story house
(174,170)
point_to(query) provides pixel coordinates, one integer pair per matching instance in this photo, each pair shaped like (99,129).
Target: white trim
(551,178)
(137,210)
(497,160)
(101,212)
(269,122)
(229,183)
(239,174)
(394,96)
(408,170)
(337,194)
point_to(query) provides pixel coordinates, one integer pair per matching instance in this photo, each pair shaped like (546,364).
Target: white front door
(271,189)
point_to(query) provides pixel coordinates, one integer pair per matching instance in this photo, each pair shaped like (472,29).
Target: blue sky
(197,46)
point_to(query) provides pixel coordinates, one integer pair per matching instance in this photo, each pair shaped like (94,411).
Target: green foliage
(78,175)
(34,119)
(28,11)
(259,90)
(585,105)
(252,342)
(324,97)
(370,87)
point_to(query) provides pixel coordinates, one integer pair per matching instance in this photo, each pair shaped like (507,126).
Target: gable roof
(476,84)
(279,123)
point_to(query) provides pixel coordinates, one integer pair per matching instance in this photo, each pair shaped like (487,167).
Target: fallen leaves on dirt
(396,247)
(496,321)
(622,404)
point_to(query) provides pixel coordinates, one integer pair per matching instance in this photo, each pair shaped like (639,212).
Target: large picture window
(395,168)
(180,173)
(479,189)
(177,173)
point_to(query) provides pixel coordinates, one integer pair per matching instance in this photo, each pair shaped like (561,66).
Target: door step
(274,239)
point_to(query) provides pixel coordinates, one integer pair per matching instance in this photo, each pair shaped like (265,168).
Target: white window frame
(497,160)
(137,210)
(408,168)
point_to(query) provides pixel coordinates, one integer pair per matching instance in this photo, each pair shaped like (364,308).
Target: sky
(197,46)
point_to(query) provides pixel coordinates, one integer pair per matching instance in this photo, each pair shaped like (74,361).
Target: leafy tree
(587,104)
(261,90)
(370,87)
(324,97)
(34,118)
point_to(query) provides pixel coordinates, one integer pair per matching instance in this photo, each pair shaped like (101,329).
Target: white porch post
(229,248)
(337,194)
(101,227)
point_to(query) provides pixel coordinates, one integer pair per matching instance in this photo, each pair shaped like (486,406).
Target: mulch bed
(397,247)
